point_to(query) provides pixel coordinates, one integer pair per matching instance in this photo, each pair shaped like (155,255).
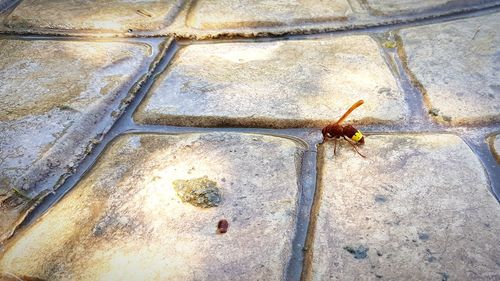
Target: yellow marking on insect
(357,136)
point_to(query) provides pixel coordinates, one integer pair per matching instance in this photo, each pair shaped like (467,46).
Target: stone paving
(106,15)
(452,230)
(469,73)
(58,97)
(187,136)
(281,84)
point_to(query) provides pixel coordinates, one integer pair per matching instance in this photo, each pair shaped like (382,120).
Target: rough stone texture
(124,221)
(102,15)
(55,96)
(495,146)
(419,204)
(392,7)
(457,65)
(300,83)
(213,18)
(200,192)
(213,14)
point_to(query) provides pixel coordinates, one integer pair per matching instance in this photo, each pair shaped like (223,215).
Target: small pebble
(222,226)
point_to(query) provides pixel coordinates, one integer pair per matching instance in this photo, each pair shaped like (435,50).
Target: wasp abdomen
(354,134)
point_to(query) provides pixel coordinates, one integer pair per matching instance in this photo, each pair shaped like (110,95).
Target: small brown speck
(222,226)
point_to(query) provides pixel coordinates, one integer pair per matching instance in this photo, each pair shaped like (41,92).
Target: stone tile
(393,7)
(417,208)
(55,97)
(460,77)
(124,220)
(216,14)
(102,15)
(275,84)
(495,146)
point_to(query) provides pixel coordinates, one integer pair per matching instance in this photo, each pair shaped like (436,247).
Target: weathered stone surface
(124,221)
(495,146)
(275,84)
(201,192)
(457,66)
(103,15)
(418,206)
(213,14)
(55,96)
(391,7)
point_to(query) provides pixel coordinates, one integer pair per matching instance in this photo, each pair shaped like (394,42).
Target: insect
(352,135)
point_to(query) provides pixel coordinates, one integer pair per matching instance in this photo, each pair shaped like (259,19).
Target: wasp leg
(334,146)
(353,145)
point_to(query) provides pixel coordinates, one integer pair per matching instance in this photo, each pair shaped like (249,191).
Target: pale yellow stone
(124,220)
(456,64)
(299,83)
(55,96)
(420,204)
(102,15)
(213,14)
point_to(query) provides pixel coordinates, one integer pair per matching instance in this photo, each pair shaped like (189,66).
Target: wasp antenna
(351,109)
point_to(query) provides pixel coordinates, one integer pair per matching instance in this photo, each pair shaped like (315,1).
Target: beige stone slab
(300,83)
(125,221)
(392,7)
(417,208)
(55,97)
(250,19)
(456,64)
(102,15)
(213,14)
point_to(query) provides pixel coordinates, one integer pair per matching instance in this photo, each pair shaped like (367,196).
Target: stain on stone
(13,277)
(113,222)
(444,276)
(390,44)
(423,236)
(144,13)
(380,198)
(429,256)
(434,111)
(358,253)
(385,91)
(65,107)
(379,253)
(200,192)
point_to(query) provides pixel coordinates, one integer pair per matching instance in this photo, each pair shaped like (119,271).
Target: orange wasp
(336,131)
